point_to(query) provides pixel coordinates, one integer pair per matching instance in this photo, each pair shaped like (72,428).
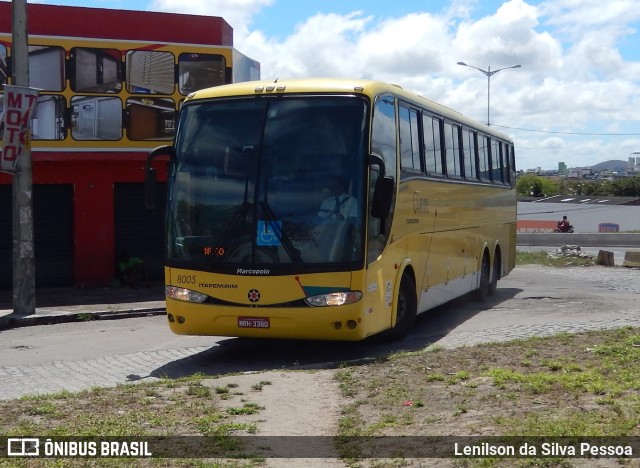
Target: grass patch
(544,258)
(580,385)
(183,407)
(260,385)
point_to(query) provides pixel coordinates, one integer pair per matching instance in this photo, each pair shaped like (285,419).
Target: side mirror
(150,188)
(383,190)
(382,197)
(150,175)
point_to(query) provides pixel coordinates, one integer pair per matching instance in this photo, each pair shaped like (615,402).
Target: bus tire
(406,309)
(485,277)
(493,284)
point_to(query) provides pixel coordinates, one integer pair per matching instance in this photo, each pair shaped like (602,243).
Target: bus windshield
(269,185)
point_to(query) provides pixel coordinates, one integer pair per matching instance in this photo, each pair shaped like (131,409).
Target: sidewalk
(58,305)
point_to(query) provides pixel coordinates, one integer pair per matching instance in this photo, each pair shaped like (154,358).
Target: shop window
(96,118)
(46,68)
(48,118)
(95,70)
(150,118)
(244,68)
(3,81)
(150,72)
(198,71)
(3,66)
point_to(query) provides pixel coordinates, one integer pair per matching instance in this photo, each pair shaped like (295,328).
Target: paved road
(531,301)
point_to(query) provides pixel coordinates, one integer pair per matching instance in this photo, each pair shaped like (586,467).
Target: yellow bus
(330,209)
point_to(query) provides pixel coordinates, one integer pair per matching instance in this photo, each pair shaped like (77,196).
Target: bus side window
(496,170)
(512,164)
(469,150)
(504,162)
(409,140)
(484,168)
(383,143)
(452,150)
(432,146)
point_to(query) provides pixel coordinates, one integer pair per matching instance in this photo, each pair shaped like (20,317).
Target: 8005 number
(186,279)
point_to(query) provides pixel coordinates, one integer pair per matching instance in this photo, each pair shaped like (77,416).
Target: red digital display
(214,251)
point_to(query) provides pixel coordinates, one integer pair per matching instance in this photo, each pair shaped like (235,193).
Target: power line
(566,133)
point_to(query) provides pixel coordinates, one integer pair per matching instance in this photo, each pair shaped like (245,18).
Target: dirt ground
(533,301)
(296,403)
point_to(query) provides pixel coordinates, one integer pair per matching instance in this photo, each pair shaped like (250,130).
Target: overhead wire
(565,133)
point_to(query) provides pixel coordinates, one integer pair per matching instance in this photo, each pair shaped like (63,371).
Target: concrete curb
(584,240)
(16,321)
(631,259)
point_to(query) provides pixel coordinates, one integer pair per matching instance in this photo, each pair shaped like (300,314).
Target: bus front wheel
(406,309)
(484,288)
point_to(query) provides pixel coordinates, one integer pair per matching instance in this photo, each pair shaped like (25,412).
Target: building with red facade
(110,82)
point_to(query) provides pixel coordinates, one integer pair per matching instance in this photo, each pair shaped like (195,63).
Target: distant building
(579,172)
(562,168)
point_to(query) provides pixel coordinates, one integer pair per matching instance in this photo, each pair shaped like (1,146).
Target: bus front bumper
(343,323)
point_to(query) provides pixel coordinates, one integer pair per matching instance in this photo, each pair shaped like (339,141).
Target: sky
(575,99)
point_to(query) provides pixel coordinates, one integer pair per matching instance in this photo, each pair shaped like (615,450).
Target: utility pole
(24,291)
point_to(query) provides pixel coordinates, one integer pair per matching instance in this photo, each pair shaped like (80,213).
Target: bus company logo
(253,295)
(23,447)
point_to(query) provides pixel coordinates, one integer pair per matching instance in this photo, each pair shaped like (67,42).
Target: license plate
(253,322)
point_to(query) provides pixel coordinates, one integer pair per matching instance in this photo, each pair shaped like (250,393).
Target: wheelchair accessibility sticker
(269,233)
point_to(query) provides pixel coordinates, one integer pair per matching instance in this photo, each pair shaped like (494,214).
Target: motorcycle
(568,230)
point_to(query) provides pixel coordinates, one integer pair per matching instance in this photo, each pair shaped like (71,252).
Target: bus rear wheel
(493,284)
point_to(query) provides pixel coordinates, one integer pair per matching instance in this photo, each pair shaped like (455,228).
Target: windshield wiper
(289,248)
(237,218)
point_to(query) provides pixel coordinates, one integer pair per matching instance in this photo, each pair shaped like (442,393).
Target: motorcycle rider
(564,225)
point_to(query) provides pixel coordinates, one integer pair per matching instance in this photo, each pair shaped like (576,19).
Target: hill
(611,165)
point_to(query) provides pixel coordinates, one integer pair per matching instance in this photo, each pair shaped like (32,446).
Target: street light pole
(488,73)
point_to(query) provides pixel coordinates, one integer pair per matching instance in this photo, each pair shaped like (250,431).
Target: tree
(626,187)
(530,185)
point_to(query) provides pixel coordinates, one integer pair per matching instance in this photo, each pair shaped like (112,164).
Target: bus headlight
(182,294)
(334,299)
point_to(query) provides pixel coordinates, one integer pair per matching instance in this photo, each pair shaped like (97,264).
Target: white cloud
(575,17)
(324,45)
(238,13)
(574,76)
